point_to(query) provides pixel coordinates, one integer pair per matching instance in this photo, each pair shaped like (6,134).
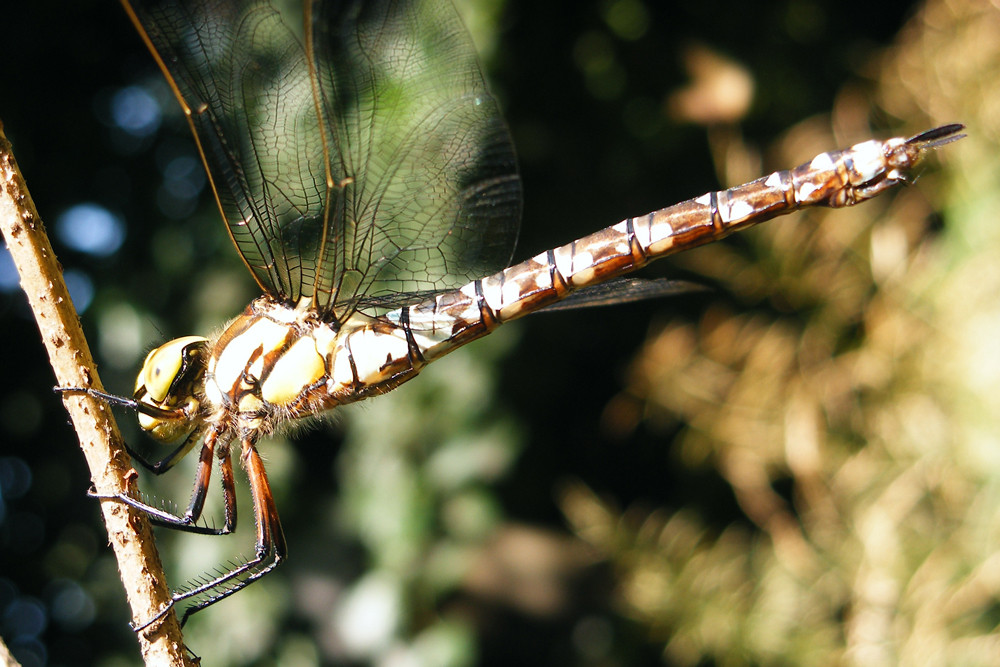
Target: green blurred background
(799,466)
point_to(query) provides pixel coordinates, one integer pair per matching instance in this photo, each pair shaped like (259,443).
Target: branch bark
(111,471)
(6,659)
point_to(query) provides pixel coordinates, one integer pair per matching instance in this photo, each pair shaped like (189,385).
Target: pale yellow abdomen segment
(370,353)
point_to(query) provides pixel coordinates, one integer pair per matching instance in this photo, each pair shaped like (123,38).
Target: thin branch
(6,659)
(111,470)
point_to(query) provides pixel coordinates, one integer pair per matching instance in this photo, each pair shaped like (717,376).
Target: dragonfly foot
(157,618)
(110,399)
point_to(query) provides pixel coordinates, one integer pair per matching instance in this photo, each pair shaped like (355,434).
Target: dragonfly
(367,179)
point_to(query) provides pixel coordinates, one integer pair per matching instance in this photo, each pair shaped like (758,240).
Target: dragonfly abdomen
(840,178)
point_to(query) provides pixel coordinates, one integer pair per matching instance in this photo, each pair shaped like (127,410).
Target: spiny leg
(194,510)
(188,521)
(270,547)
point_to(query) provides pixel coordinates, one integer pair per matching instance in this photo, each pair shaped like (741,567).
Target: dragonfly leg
(170,460)
(110,399)
(194,509)
(188,521)
(124,402)
(270,549)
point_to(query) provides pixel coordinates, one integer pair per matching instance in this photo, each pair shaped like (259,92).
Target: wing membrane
(421,143)
(361,157)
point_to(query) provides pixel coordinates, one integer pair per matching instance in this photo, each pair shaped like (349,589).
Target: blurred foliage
(858,435)
(795,468)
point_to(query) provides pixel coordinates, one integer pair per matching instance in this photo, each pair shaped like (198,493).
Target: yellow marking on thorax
(297,369)
(263,334)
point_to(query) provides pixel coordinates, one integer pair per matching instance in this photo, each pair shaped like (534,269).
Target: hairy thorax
(275,363)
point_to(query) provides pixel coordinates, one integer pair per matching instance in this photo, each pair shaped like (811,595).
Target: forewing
(353,147)
(243,81)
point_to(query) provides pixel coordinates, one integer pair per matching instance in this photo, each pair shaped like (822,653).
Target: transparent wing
(353,148)
(433,198)
(624,290)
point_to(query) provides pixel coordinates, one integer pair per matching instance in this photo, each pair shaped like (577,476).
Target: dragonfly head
(169,386)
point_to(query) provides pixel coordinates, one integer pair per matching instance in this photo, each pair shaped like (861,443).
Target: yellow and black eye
(166,367)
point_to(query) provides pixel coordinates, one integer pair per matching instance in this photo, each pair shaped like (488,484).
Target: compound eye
(164,366)
(159,372)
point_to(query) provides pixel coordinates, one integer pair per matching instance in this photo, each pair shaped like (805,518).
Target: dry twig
(111,471)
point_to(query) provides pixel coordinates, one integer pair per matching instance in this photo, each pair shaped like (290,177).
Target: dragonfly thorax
(276,363)
(168,387)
